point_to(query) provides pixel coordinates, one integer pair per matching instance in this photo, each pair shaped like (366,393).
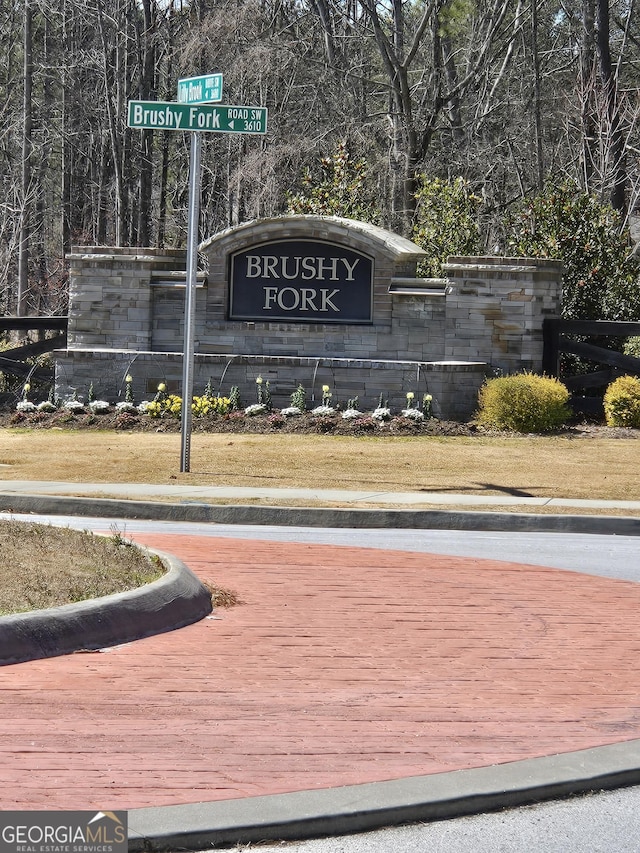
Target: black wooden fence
(587,389)
(16,360)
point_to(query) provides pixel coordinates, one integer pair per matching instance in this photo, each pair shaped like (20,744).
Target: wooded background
(505,95)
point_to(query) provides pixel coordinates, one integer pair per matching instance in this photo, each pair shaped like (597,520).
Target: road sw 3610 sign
(301,281)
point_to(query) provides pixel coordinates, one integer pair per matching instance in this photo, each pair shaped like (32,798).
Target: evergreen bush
(632,346)
(600,279)
(524,402)
(447,222)
(622,402)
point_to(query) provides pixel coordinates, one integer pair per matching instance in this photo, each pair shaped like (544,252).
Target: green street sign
(167,115)
(200,90)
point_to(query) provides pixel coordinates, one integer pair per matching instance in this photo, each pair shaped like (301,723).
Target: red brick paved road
(343,665)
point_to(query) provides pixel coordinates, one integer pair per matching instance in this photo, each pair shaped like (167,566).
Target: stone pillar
(110,300)
(496,308)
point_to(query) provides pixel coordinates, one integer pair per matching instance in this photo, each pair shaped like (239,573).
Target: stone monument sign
(305,300)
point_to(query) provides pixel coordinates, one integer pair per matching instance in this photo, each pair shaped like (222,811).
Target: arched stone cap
(349,232)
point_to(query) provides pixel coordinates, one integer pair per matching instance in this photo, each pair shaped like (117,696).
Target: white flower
(291,412)
(73,405)
(350,414)
(46,406)
(99,406)
(124,406)
(382,413)
(144,405)
(323,410)
(414,414)
(255,409)
(25,406)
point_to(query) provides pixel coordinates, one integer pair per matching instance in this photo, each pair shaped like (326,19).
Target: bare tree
(27,147)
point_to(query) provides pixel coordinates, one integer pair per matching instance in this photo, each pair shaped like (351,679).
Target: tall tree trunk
(146,158)
(27,146)
(65,152)
(587,86)
(537,109)
(610,85)
(120,211)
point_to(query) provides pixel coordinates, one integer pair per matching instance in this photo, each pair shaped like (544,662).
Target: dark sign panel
(301,281)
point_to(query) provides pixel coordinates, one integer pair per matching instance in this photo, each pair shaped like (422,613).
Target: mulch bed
(306,424)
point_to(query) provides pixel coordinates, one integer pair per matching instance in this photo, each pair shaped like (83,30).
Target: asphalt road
(608,556)
(597,823)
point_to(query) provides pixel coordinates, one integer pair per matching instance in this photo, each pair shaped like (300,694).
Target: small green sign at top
(200,90)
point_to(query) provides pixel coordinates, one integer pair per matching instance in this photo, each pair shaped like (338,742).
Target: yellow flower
(162,387)
(26,387)
(325,389)
(128,378)
(410,395)
(259,380)
(428,398)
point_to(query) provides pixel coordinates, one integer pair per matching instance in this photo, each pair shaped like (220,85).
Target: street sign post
(200,90)
(190,301)
(218,118)
(194,113)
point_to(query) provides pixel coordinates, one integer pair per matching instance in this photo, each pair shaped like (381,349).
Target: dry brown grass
(524,466)
(46,566)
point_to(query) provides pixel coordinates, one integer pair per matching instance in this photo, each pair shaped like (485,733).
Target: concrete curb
(173,601)
(320,517)
(358,808)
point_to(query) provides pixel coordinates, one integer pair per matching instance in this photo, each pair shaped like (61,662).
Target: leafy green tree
(600,280)
(447,221)
(340,189)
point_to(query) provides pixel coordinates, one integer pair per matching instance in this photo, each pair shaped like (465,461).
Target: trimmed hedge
(622,402)
(524,402)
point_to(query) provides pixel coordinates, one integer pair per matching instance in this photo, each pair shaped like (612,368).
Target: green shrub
(524,402)
(342,186)
(600,275)
(632,346)
(446,222)
(622,402)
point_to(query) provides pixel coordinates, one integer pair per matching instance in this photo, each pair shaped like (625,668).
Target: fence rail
(556,342)
(15,360)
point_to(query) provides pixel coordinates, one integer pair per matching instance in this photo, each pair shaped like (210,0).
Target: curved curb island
(176,599)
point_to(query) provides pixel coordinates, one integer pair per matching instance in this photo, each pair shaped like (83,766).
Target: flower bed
(234,422)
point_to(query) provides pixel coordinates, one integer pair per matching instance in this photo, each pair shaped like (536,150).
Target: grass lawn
(528,466)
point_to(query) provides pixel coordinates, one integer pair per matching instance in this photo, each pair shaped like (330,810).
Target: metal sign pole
(190,299)
(195,112)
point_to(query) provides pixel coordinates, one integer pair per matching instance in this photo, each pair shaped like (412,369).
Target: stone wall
(453,385)
(111,298)
(427,336)
(496,307)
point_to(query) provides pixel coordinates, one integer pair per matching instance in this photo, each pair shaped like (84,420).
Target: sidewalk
(350,688)
(344,497)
